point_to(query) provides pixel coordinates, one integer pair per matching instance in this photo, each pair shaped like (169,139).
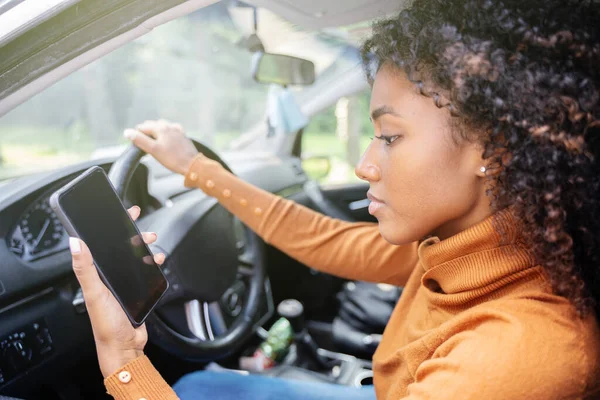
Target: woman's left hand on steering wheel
(166,142)
(117,341)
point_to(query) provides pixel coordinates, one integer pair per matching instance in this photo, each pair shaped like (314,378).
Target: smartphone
(90,209)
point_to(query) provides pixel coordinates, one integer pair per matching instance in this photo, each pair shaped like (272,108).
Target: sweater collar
(483,256)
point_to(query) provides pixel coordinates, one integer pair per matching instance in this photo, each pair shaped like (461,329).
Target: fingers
(146,134)
(85,270)
(147,237)
(141,140)
(149,128)
(158,259)
(134,212)
(154,128)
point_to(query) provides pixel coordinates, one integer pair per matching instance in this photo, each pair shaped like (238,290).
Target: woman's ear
(476,163)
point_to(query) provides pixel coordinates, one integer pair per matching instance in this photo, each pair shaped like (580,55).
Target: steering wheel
(209,254)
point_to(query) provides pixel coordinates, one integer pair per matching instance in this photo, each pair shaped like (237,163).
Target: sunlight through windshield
(191,70)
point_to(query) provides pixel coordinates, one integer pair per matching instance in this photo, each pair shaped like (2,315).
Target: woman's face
(421,181)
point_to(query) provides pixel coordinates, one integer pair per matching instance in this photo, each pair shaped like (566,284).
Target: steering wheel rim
(201,347)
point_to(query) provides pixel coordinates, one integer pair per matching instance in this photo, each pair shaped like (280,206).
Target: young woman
(484,179)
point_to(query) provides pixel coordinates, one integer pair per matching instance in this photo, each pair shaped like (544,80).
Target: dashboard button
(17,354)
(24,348)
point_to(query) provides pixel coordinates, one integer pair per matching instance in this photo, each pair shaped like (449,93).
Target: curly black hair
(523,78)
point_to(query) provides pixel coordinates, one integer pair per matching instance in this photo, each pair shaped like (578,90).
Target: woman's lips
(375,205)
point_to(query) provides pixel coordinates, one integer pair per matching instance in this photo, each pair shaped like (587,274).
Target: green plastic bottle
(279,340)
(273,349)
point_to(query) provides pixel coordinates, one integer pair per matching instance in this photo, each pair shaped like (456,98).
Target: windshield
(191,70)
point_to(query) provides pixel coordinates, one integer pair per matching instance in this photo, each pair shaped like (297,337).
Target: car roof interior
(88,29)
(312,14)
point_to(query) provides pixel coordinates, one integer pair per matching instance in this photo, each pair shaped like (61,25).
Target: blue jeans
(229,386)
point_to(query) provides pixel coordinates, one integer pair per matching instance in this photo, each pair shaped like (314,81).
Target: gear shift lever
(293,311)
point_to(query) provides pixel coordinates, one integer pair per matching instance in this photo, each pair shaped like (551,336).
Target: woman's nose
(367,169)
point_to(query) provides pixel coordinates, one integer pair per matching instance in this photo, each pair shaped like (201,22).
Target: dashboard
(43,326)
(37,287)
(38,232)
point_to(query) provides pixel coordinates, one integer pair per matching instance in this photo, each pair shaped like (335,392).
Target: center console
(306,361)
(343,369)
(348,370)
(306,354)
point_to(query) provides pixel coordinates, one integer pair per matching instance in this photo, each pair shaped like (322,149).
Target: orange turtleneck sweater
(477,318)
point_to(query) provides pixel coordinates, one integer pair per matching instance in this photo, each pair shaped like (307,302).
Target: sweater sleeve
(349,250)
(136,380)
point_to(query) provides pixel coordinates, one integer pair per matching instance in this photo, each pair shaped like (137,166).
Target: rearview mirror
(282,70)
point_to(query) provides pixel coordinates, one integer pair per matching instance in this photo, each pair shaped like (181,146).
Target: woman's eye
(388,139)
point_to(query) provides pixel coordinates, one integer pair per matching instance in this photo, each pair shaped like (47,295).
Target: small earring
(483,169)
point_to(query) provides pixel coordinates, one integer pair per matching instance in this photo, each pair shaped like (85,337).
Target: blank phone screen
(121,255)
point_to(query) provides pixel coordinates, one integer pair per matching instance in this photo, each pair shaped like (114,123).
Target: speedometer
(41,228)
(38,232)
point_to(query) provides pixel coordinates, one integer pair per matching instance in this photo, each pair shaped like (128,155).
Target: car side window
(335,139)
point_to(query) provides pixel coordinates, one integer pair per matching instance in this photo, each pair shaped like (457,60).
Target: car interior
(280,83)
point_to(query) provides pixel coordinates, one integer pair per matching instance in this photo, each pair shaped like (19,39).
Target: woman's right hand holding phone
(117,341)
(166,142)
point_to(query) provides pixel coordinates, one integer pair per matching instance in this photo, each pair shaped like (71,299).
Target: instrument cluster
(38,232)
